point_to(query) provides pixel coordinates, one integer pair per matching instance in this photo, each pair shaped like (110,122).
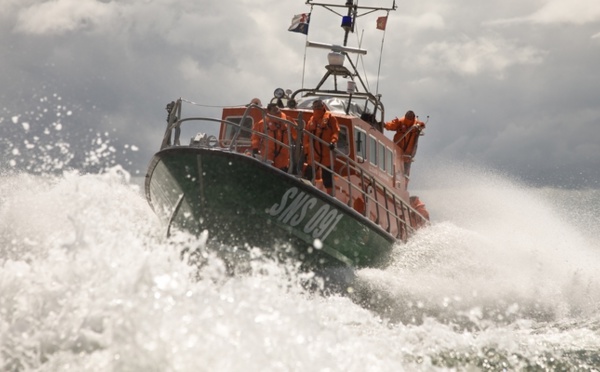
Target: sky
(511,86)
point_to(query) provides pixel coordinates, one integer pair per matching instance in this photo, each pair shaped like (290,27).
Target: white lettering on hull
(294,207)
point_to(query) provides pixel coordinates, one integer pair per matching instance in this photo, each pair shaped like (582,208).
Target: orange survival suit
(324,126)
(419,206)
(275,152)
(408,129)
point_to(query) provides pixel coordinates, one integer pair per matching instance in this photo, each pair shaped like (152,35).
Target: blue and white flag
(300,23)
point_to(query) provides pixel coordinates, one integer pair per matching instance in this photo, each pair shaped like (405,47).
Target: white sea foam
(89,282)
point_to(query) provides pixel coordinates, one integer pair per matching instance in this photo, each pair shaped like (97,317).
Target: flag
(300,23)
(381,22)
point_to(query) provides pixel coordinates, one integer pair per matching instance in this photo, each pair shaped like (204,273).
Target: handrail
(372,99)
(403,220)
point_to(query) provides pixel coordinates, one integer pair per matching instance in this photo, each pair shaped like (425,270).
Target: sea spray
(89,281)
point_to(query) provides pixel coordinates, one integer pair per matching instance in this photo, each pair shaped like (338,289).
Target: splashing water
(501,280)
(44,140)
(504,252)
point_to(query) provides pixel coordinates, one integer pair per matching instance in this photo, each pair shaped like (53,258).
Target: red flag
(381,22)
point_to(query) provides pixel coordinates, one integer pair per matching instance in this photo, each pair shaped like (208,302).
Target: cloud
(560,11)
(171,20)
(478,56)
(424,21)
(61,16)
(117,63)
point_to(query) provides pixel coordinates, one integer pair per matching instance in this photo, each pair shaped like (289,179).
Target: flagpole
(306,47)
(304,65)
(304,62)
(381,52)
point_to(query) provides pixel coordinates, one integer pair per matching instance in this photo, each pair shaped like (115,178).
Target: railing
(388,210)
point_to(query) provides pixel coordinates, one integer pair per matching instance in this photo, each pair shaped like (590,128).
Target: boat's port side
(242,201)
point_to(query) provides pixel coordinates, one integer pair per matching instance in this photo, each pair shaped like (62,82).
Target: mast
(339,53)
(348,21)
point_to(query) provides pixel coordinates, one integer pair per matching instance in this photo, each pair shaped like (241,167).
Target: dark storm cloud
(512,87)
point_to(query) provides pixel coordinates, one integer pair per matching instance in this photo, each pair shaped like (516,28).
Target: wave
(503,278)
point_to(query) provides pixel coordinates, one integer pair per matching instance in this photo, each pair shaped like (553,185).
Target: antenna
(350,4)
(335,48)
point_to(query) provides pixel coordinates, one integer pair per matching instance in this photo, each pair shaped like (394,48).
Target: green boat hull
(242,202)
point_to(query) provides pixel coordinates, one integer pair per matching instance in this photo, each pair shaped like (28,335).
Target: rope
(381,51)
(209,106)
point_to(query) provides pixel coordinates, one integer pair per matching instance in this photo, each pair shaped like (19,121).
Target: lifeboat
(212,182)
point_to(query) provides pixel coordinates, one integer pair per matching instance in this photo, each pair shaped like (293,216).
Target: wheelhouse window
(389,161)
(373,150)
(246,127)
(342,143)
(382,158)
(360,143)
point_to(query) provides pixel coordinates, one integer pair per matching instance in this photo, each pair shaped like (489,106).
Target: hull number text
(294,207)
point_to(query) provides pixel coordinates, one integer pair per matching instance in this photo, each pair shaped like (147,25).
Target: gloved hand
(332,146)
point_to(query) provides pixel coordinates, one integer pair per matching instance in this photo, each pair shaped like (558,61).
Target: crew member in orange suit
(322,125)
(419,206)
(407,134)
(277,129)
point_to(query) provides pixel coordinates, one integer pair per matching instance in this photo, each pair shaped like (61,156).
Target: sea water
(505,278)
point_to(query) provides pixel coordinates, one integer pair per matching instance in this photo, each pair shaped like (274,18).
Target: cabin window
(342,143)
(360,139)
(381,156)
(373,150)
(389,161)
(230,130)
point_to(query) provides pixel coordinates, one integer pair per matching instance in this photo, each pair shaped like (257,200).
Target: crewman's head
(273,109)
(318,105)
(410,115)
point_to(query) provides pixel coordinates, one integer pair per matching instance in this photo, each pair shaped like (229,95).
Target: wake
(496,253)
